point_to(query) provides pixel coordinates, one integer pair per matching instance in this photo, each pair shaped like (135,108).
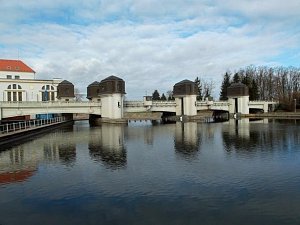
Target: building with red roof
(18,83)
(15,69)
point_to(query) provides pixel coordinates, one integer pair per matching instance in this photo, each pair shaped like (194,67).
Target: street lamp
(295,101)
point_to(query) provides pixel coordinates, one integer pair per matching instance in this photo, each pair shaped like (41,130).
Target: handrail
(47,103)
(28,124)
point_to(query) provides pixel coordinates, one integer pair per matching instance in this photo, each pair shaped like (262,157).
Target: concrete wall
(112,106)
(13,74)
(188,103)
(243,104)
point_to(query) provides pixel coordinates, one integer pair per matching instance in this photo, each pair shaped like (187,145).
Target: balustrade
(30,124)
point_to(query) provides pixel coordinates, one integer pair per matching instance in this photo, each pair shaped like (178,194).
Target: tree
(163,97)
(225,84)
(78,95)
(208,88)
(199,86)
(155,95)
(253,91)
(170,95)
(236,78)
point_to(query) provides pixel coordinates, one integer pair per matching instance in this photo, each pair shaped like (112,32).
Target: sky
(150,44)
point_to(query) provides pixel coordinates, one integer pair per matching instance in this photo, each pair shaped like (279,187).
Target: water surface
(144,173)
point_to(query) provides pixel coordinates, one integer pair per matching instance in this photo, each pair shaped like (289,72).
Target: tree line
(266,83)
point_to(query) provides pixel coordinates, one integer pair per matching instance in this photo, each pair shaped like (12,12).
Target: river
(236,172)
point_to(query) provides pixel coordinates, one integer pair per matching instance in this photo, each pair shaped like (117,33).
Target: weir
(106,103)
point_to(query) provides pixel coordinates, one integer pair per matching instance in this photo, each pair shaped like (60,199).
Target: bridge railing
(152,103)
(163,103)
(47,103)
(208,103)
(29,124)
(133,104)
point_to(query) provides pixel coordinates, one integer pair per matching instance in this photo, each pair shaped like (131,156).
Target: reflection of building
(16,165)
(187,139)
(21,162)
(247,136)
(106,144)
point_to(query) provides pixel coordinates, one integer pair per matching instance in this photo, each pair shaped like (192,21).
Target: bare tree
(78,95)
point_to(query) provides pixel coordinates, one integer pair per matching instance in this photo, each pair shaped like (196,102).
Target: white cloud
(150,47)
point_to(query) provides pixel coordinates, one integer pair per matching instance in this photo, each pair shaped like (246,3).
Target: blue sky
(151,44)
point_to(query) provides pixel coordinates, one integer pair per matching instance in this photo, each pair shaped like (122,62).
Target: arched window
(14,93)
(48,93)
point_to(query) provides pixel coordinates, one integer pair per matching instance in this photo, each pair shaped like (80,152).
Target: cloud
(149,47)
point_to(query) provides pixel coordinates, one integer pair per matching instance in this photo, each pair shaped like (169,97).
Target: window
(17,77)
(48,93)
(14,96)
(14,93)
(9,96)
(20,96)
(8,76)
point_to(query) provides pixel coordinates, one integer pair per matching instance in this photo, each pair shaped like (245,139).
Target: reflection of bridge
(107,144)
(10,109)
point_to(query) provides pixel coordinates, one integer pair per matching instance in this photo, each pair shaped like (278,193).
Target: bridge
(11,109)
(107,101)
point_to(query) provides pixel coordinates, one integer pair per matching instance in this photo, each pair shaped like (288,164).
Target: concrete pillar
(179,106)
(112,106)
(243,103)
(190,105)
(239,104)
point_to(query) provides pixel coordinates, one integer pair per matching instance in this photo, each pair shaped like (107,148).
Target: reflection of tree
(254,137)
(67,153)
(107,145)
(187,140)
(113,158)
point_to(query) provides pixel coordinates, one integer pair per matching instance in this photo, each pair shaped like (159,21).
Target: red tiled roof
(15,66)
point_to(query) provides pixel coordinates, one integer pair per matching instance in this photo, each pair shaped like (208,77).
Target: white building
(18,83)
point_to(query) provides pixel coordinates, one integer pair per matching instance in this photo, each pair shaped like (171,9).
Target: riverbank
(279,115)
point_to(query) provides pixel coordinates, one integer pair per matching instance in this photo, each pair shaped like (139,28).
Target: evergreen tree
(225,84)
(236,78)
(253,92)
(155,95)
(247,81)
(199,86)
(163,97)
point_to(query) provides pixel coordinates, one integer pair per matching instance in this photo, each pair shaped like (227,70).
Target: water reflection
(16,166)
(187,140)
(246,136)
(106,144)
(67,153)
